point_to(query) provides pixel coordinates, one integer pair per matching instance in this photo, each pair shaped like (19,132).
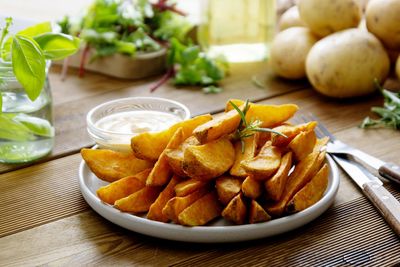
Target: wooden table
(45,221)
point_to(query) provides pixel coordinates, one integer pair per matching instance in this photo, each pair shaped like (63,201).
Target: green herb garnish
(247,129)
(389,114)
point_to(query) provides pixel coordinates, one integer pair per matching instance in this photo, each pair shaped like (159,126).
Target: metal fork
(388,170)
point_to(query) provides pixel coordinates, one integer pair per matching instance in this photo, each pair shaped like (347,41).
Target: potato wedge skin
(140,201)
(257,214)
(236,210)
(265,164)
(274,187)
(149,146)
(227,188)
(250,147)
(209,160)
(218,127)
(311,192)
(109,165)
(201,211)
(175,156)
(252,188)
(122,187)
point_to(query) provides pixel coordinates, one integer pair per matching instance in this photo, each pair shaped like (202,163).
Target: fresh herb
(389,114)
(212,89)
(28,50)
(247,129)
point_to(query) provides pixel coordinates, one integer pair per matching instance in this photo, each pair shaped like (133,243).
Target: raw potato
(346,63)
(227,188)
(291,18)
(175,156)
(274,187)
(289,51)
(209,160)
(123,187)
(324,17)
(257,213)
(110,165)
(150,145)
(383,20)
(236,210)
(311,192)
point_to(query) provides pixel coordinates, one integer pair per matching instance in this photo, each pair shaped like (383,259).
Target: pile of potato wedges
(198,170)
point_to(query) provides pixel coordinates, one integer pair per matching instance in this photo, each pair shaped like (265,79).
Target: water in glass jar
(241,30)
(26,131)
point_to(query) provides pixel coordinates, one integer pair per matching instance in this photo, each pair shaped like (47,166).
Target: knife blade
(387,205)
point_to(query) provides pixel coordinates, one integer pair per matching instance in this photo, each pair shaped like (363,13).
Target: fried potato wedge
(303,144)
(257,214)
(175,156)
(201,211)
(236,210)
(311,192)
(140,201)
(227,188)
(155,211)
(301,175)
(109,165)
(252,188)
(161,173)
(269,115)
(177,204)
(189,186)
(209,160)
(250,147)
(265,164)
(274,187)
(290,131)
(321,143)
(218,127)
(123,187)
(150,145)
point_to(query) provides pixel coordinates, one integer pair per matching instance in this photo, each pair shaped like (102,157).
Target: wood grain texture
(350,234)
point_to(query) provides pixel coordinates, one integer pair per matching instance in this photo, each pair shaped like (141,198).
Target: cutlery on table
(389,171)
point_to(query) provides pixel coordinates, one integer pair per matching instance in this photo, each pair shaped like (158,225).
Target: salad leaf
(28,65)
(57,46)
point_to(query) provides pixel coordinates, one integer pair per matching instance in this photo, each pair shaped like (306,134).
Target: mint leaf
(12,130)
(35,125)
(56,46)
(28,65)
(36,29)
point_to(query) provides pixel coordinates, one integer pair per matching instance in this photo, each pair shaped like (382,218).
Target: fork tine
(321,127)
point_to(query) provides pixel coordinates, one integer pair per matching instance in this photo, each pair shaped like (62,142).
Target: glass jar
(240,30)
(26,127)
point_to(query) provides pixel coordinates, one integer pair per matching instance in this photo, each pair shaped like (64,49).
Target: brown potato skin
(236,210)
(257,214)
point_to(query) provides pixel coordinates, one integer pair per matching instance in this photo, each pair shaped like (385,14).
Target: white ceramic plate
(219,231)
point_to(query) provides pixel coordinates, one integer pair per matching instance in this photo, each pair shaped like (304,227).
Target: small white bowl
(121,141)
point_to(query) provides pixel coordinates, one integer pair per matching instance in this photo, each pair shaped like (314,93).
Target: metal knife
(373,188)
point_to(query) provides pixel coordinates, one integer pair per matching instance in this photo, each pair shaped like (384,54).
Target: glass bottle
(26,127)
(241,30)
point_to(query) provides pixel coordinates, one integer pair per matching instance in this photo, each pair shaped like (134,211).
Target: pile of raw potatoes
(340,48)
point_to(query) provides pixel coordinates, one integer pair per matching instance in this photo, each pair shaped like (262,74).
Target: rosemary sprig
(247,129)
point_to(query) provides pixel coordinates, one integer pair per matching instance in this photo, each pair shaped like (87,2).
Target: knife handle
(385,202)
(390,171)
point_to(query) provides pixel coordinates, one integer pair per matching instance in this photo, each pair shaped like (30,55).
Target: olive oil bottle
(241,30)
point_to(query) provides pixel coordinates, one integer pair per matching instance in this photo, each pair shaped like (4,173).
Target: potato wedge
(149,145)
(303,144)
(274,187)
(257,214)
(177,204)
(252,188)
(209,160)
(140,201)
(311,193)
(175,156)
(162,173)
(155,211)
(301,175)
(236,210)
(321,143)
(201,211)
(123,187)
(250,147)
(189,186)
(218,127)
(227,188)
(265,164)
(290,131)
(109,165)
(269,115)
